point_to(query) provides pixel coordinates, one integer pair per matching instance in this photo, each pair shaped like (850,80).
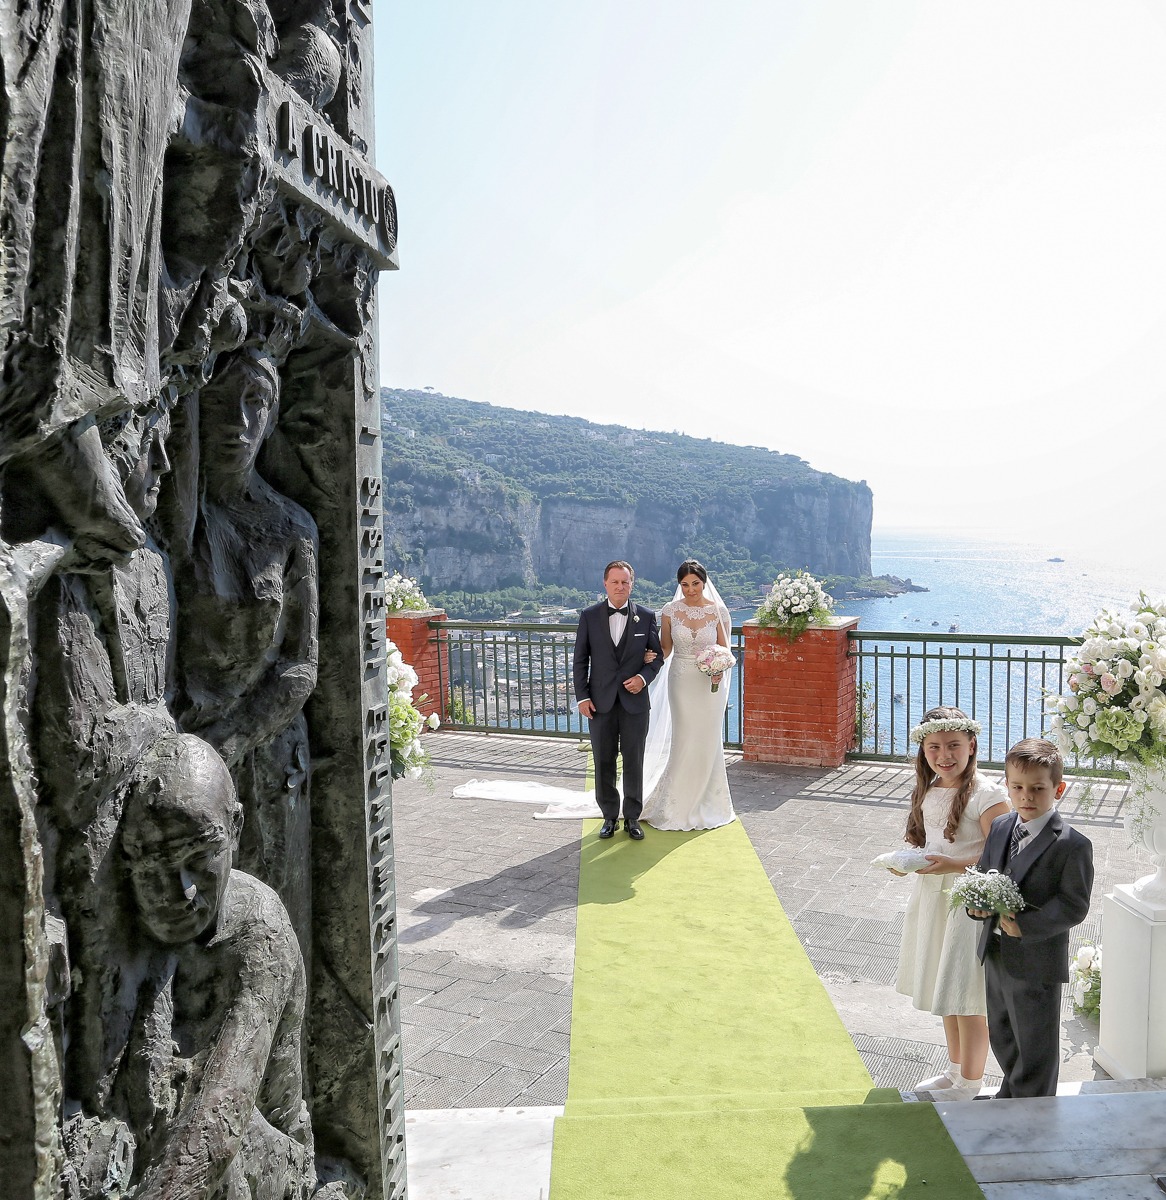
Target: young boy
(1026,954)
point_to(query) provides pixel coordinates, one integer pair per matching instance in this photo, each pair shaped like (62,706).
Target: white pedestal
(1133,987)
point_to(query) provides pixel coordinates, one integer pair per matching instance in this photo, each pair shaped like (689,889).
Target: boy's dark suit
(1024,976)
(620,722)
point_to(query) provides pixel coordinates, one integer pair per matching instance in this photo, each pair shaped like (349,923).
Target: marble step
(1087,1087)
(1072,1145)
(1123,1187)
(479,1153)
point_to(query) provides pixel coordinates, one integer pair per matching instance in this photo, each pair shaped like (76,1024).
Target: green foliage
(434,443)
(438,449)
(851,587)
(514,603)
(532,603)
(865,713)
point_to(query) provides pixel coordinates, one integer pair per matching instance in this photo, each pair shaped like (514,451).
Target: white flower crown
(946,725)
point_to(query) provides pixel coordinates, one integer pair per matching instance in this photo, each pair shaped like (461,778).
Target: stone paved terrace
(486,897)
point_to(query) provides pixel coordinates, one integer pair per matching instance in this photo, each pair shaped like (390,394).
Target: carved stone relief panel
(198,978)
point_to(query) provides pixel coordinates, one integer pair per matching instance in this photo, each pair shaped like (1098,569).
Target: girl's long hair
(925,779)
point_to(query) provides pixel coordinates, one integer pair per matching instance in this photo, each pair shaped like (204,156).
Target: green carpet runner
(706,1058)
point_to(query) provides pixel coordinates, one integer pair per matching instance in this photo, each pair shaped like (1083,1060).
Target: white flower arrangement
(988,891)
(796,601)
(407,757)
(1116,704)
(403,594)
(1085,980)
(715,660)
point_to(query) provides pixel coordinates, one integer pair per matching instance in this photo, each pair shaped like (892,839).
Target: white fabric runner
(563,804)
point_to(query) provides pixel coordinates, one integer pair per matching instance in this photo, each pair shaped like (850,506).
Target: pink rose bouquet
(716,660)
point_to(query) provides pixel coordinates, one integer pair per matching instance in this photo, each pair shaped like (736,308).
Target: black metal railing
(1003,681)
(507,677)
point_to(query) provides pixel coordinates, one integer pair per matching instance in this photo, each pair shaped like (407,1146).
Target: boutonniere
(636,618)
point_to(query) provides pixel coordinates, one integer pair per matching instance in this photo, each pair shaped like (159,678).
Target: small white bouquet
(1085,978)
(906,860)
(795,601)
(716,660)
(403,594)
(989,891)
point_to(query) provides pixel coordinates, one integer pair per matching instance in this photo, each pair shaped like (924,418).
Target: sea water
(995,586)
(978,585)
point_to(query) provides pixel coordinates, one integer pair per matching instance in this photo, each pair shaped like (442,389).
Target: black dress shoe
(607,829)
(634,830)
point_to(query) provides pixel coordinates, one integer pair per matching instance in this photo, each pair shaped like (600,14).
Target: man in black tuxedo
(1026,954)
(611,687)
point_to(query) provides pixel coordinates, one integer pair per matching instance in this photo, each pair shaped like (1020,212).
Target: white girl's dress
(693,791)
(938,967)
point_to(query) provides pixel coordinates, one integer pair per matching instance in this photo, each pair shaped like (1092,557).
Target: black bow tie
(611,612)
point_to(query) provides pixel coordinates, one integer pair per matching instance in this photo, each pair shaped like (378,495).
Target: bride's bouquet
(988,891)
(716,660)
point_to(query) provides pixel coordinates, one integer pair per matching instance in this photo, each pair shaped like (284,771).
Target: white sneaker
(966,1089)
(936,1083)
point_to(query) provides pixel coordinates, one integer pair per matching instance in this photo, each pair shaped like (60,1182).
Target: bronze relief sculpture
(190,232)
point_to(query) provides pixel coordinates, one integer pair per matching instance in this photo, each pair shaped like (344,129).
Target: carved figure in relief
(81,207)
(247,643)
(102,679)
(155,247)
(309,58)
(211,1080)
(105,646)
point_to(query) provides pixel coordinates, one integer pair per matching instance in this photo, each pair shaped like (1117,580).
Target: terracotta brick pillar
(800,697)
(410,633)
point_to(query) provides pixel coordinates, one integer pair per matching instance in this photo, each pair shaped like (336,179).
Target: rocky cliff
(479,497)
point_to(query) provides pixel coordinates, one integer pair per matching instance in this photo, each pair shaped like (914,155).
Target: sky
(920,244)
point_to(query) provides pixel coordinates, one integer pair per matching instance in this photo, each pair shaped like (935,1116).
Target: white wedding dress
(693,791)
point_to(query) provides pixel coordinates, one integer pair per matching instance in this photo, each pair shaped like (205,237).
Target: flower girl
(952,809)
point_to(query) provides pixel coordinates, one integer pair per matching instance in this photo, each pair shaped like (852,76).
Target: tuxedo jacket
(1055,877)
(601,666)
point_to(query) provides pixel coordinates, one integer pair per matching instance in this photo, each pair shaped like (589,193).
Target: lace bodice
(694,627)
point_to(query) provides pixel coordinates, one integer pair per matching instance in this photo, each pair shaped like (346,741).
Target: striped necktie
(1019,833)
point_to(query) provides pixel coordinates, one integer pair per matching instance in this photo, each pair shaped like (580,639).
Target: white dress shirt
(617,622)
(1031,829)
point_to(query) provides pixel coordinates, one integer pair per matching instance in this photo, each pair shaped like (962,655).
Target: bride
(693,791)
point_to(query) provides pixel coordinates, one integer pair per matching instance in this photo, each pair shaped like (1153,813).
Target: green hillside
(555,457)
(497,510)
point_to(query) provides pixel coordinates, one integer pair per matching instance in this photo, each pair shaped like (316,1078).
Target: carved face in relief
(135,443)
(237,412)
(178,837)
(144,479)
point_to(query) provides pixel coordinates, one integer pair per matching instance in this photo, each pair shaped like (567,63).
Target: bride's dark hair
(691,567)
